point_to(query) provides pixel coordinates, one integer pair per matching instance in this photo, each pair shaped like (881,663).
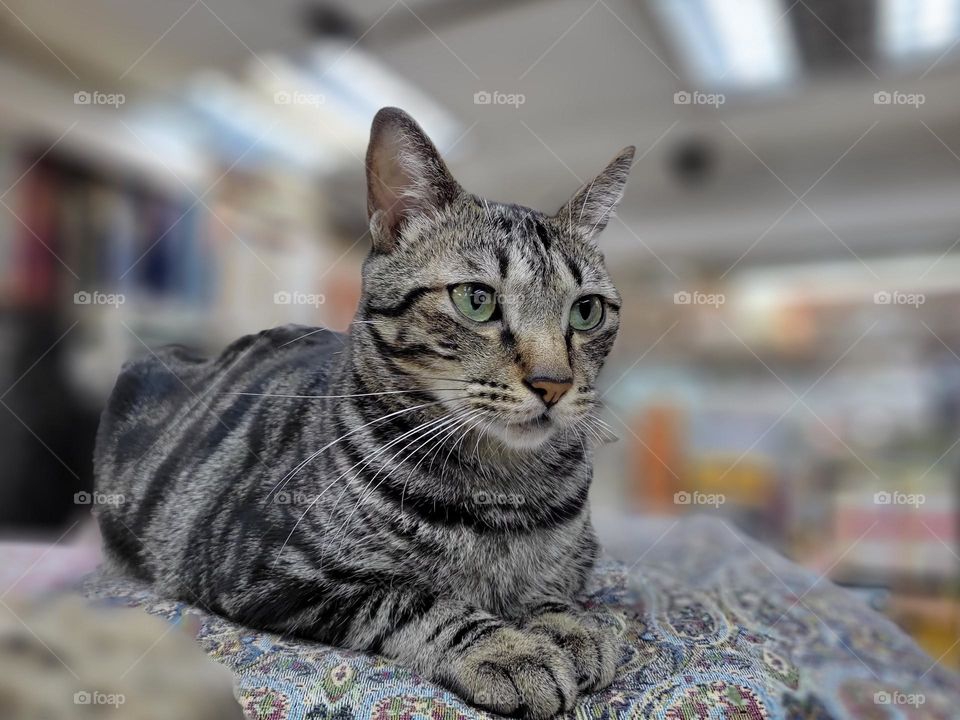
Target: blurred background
(189,171)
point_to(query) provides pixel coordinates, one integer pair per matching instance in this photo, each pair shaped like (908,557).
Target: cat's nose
(550,390)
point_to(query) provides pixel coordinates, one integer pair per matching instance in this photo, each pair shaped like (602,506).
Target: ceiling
(712,183)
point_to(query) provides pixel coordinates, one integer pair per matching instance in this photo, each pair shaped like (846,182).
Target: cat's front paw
(518,673)
(594,651)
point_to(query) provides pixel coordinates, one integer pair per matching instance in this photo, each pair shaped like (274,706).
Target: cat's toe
(594,651)
(517,673)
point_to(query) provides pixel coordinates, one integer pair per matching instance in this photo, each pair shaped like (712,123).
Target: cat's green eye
(475,300)
(586,313)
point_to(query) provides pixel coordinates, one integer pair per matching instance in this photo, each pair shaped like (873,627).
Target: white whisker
(367,491)
(368,460)
(315,454)
(335,397)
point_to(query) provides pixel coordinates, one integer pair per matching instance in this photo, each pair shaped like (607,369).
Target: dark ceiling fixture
(326,20)
(692,161)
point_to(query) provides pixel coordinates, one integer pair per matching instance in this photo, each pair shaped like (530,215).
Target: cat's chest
(502,571)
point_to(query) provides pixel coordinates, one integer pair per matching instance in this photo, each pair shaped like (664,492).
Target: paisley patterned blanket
(715,627)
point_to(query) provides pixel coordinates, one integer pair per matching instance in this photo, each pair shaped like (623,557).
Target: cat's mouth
(541,421)
(529,433)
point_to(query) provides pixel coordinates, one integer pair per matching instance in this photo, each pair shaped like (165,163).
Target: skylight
(744,44)
(918,27)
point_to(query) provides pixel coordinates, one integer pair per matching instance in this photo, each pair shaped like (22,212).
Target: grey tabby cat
(417,488)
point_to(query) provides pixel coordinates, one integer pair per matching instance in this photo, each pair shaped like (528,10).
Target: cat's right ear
(590,209)
(406,177)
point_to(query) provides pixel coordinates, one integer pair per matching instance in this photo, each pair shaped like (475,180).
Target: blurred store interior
(788,249)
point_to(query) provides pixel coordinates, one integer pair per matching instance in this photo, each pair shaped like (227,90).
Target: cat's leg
(595,652)
(489,661)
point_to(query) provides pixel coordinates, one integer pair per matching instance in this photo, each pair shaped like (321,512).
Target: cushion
(714,627)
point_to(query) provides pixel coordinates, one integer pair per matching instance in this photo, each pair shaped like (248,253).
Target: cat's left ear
(590,209)
(406,177)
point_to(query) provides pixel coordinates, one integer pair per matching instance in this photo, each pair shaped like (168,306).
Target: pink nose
(549,390)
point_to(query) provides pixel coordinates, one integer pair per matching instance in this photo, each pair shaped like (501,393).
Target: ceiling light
(743,44)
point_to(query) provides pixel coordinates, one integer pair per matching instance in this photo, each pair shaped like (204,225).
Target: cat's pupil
(583,307)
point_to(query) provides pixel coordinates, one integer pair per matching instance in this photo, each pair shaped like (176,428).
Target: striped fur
(399,489)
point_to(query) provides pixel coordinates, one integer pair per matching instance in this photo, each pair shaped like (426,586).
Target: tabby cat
(417,488)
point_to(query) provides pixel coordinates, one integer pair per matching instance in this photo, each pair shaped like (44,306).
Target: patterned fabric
(715,627)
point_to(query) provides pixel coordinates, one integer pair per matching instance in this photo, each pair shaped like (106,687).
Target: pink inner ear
(391,185)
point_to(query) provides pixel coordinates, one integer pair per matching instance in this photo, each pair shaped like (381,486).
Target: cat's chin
(524,436)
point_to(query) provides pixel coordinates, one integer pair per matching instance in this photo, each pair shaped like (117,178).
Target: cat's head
(506,312)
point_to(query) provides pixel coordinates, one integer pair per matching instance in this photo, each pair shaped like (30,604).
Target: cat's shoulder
(288,339)
(172,370)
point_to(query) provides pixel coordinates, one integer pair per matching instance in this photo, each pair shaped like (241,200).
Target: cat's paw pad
(512,672)
(594,651)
